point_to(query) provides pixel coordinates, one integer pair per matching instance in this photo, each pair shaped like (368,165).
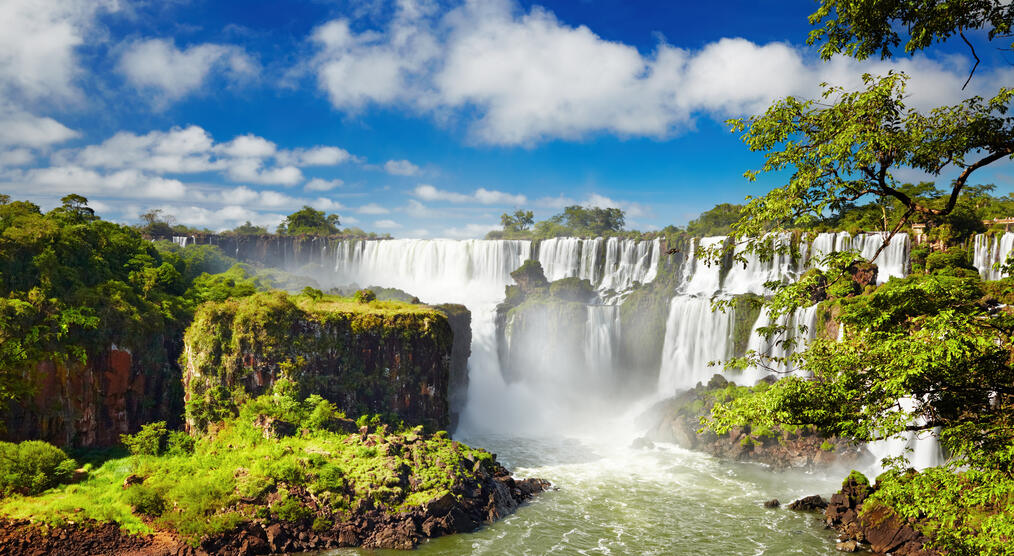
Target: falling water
(695,335)
(989,251)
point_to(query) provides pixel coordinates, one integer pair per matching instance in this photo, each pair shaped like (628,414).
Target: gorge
(558,397)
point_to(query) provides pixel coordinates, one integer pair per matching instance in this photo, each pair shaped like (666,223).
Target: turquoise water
(612,499)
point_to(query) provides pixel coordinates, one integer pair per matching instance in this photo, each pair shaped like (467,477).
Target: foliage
(309,221)
(31,467)
(863,28)
(572,289)
(968,512)
(520,221)
(72,284)
(249,229)
(233,476)
(365,296)
(717,221)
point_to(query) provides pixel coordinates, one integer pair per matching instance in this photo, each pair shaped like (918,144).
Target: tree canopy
(309,221)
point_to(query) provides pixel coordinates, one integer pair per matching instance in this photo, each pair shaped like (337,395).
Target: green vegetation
(337,347)
(308,221)
(715,222)
(574,221)
(246,468)
(31,467)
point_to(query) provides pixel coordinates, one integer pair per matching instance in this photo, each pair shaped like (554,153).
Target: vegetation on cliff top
(321,342)
(273,461)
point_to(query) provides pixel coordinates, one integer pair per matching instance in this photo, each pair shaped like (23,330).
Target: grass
(235,475)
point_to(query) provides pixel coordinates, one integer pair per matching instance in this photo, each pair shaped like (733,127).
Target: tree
(249,229)
(74,210)
(590,221)
(157,224)
(927,351)
(715,222)
(309,221)
(520,221)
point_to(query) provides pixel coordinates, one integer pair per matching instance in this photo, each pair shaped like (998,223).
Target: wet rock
(132,480)
(848,546)
(812,503)
(773,503)
(642,443)
(274,428)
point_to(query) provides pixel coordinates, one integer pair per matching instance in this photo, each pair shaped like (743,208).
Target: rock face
(677,420)
(880,528)
(460,320)
(365,359)
(91,404)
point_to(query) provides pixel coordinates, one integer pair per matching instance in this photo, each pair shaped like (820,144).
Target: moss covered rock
(376,357)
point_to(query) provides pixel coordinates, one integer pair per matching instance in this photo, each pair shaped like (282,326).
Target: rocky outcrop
(460,319)
(488,496)
(877,528)
(90,404)
(678,420)
(365,358)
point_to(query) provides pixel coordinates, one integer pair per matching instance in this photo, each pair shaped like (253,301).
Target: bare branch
(974,55)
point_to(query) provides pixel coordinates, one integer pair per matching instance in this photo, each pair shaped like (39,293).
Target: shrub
(291,509)
(149,441)
(32,466)
(365,296)
(145,501)
(572,289)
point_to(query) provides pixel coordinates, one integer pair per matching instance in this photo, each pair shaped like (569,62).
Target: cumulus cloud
(20,128)
(386,224)
(37,44)
(16,157)
(524,77)
(184,150)
(401,168)
(123,183)
(372,208)
(481,195)
(469,231)
(158,65)
(318,184)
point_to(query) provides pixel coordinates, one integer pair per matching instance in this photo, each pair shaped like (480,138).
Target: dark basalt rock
(773,503)
(880,529)
(642,443)
(814,503)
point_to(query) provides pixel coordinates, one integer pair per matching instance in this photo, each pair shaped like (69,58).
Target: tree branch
(974,55)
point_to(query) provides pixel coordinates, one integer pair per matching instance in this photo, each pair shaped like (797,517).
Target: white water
(990,251)
(564,423)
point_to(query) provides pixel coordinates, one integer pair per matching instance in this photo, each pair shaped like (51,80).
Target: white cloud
(483,196)
(248,146)
(250,170)
(18,127)
(631,210)
(524,77)
(318,184)
(419,210)
(372,208)
(317,156)
(158,65)
(469,231)
(131,184)
(401,168)
(223,218)
(16,157)
(37,44)
(177,151)
(389,224)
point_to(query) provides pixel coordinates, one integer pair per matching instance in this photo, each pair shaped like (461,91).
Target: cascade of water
(601,335)
(923,447)
(800,328)
(180,240)
(705,279)
(989,251)
(694,336)
(629,261)
(560,257)
(750,278)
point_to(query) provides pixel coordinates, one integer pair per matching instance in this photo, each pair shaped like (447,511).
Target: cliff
(378,357)
(678,420)
(90,404)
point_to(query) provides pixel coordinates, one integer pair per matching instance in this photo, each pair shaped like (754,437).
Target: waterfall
(750,278)
(800,328)
(625,260)
(601,335)
(694,336)
(892,261)
(704,279)
(989,251)
(181,240)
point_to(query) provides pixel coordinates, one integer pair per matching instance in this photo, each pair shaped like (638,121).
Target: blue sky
(416,118)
